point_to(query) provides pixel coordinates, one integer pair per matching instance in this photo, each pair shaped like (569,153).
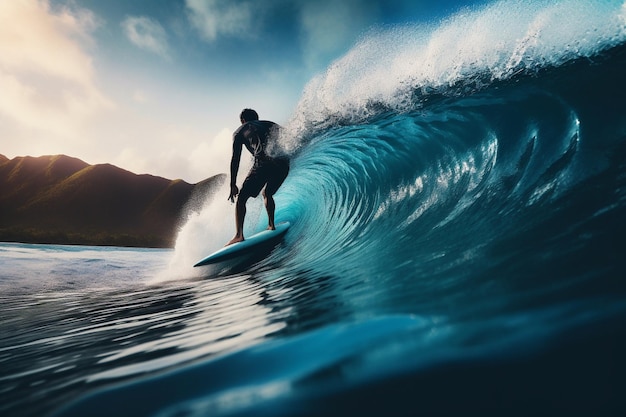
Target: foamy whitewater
(458,202)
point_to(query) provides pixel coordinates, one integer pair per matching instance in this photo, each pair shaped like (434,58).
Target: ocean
(457,201)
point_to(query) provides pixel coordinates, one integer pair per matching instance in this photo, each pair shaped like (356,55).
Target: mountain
(60,199)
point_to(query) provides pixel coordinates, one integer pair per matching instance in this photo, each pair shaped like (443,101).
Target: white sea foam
(473,46)
(209,228)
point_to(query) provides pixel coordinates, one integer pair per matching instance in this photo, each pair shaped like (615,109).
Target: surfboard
(259,243)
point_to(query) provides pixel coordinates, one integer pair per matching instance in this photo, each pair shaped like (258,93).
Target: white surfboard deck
(259,241)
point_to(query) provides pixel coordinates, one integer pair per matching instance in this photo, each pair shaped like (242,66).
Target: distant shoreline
(50,237)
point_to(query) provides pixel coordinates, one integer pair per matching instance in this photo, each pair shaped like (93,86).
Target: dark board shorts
(265,173)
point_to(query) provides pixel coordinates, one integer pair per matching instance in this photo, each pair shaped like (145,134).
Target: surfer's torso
(256,136)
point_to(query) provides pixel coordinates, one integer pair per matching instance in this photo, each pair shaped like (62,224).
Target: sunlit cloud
(194,164)
(46,74)
(213,18)
(147,34)
(140,97)
(212,156)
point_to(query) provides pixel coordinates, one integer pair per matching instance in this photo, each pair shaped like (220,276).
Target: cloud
(213,18)
(194,164)
(147,34)
(324,28)
(328,27)
(212,157)
(46,75)
(32,36)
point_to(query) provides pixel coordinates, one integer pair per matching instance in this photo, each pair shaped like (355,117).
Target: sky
(156,86)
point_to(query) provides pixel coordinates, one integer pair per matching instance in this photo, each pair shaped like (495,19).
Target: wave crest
(461,55)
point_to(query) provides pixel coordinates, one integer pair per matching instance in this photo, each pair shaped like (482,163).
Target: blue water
(458,208)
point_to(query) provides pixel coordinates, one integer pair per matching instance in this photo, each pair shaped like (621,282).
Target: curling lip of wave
(470,50)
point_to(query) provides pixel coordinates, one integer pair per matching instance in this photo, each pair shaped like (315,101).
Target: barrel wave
(504,179)
(457,201)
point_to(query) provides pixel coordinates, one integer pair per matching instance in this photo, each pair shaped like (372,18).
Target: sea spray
(463,54)
(209,227)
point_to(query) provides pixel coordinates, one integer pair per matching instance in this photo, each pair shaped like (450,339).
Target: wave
(400,67)
(423,152)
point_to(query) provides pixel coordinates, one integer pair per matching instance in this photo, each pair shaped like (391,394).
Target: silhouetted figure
(268,171)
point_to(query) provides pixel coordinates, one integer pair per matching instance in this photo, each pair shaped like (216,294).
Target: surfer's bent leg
(277,175)
(270,206)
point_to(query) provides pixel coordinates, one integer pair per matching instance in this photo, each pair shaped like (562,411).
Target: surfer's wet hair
(248,115)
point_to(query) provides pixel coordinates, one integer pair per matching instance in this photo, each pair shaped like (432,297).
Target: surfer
(268,171)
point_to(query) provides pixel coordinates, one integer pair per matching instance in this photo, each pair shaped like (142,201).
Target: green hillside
(59,199)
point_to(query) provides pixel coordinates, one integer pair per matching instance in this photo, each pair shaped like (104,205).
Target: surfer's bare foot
(236,239)
(271,227)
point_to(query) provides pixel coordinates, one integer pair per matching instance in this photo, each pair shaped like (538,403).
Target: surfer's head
(248,115)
